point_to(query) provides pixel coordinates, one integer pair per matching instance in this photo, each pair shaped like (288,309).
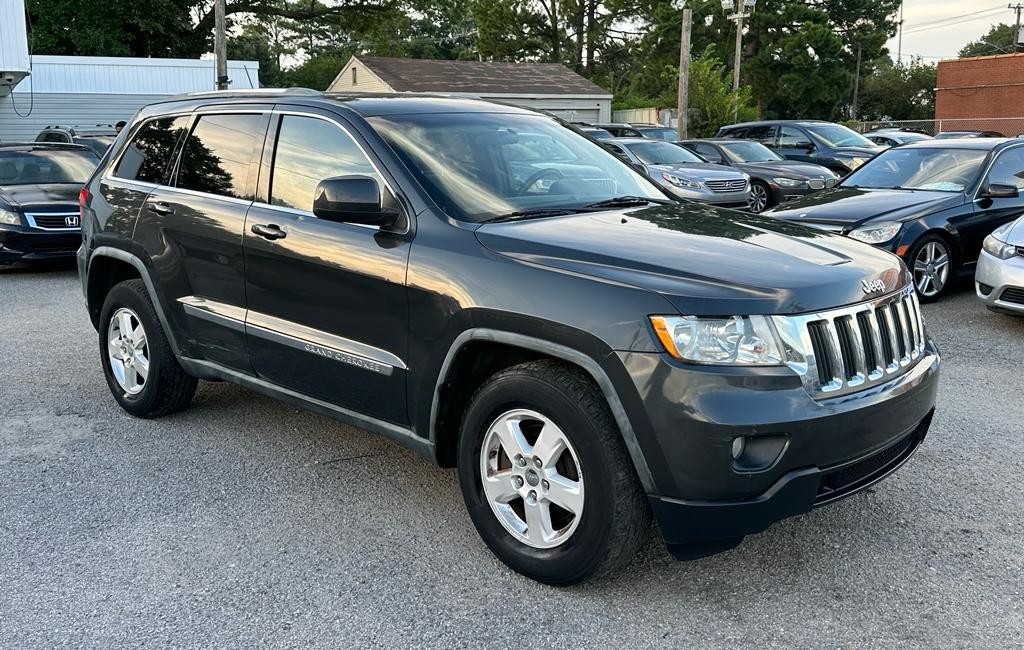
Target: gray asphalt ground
(246,523)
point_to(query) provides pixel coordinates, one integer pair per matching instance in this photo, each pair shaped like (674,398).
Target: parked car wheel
(931,262)
(760,197)
(141,371)
(546,477)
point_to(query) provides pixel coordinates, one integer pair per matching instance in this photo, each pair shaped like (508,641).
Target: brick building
(981,93)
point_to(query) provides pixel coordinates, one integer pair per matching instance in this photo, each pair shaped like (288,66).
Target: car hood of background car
(1015,235)
(704,260)
(789,168)
(852,206)
(858,152)
(704,171)
(43,195)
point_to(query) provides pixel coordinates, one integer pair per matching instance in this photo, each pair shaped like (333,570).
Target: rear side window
(308,151)
(148,156)
(217,155)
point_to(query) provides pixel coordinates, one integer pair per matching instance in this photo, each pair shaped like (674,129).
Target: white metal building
(14,59)
(548,86)
(86,90)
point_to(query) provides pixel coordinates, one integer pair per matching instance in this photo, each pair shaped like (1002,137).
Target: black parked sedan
(39,186)
(773,179)
(932,203)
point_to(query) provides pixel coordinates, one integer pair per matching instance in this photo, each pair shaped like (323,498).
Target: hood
(788,168)
(698,171)
(852,206)
(47,197)
(857,152)
(1015,234)
(705,261)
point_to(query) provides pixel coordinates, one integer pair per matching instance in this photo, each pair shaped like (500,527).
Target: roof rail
(248,92)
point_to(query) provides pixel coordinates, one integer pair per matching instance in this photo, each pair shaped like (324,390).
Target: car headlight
(733,341)
(678,181)
(787,182)
(876,233)
(854,163)
(10,218)
(998,248)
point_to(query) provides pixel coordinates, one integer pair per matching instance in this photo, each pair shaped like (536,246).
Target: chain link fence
(1007,126)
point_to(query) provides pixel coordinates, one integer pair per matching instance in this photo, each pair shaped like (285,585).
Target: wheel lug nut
(520,460)
(517,481)
(531,498)
(544,484)
(537,463)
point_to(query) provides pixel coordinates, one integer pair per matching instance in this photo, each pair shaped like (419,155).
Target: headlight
(854,163)
(733,341)
(998,248)
(682,182)
(876,233)
(787,182)
(10,218)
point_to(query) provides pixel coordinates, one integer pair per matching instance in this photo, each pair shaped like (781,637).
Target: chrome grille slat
(727,186)
(852,348)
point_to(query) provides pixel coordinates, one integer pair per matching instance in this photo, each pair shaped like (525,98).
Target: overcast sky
(937,29)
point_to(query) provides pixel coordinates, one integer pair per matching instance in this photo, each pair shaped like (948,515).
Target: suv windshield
(926,168)
(98,143)
(836,135)
(659,133)
(749,152)
(20,167)
(479,166)
(663,153)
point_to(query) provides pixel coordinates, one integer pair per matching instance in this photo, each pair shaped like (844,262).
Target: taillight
(83,196)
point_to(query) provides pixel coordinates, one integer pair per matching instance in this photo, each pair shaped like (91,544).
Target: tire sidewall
(767,194)
(912,258)
(123,295)
(584,550)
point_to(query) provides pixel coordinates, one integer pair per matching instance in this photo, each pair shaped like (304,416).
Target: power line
(942,20)
(955,22)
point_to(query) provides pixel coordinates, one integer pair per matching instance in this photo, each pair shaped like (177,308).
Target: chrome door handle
(269,231)
(160,207)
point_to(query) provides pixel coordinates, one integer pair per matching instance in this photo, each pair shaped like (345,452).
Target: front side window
(663,153)
(308,151)
(793,137)
(926,168)
(148,157)
(460,160)
(709,152)
(765,134)
(1008,169)
(665,133)
(39,166)
(217,155)
(750,152)
(837,135)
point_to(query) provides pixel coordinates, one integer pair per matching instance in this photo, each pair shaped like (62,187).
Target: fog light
(739,443)
(985,289)
(758,453)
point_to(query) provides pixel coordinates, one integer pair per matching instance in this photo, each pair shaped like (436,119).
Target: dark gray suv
(823,143)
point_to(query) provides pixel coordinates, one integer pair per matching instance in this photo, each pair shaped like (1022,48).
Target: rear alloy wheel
(759,198)
(128,351)
(932,266)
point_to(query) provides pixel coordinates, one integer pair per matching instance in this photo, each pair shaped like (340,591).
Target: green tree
(711,98)
(317,72)
(898,92)
(998,40)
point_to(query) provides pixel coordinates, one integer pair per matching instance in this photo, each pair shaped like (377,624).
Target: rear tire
(606,519)
(138,363)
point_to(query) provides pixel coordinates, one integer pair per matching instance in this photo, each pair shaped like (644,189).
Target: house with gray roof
(548,86)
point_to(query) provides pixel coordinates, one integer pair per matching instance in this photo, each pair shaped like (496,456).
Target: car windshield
(32,167)
(481,166)
(598,134)
(663,153)
(749,152)
(925,168)
(98,143)
(660,133)
(836,135)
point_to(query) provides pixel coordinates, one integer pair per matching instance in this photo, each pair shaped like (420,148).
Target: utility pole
(899,42)
(856,84)
(682,122)
(220,44)
(736,66)
(1016,30)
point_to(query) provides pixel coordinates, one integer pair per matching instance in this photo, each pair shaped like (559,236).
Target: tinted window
(708,151)
(218,152)
(660,134)
(148,157)
(764,134)
(662,153)
(747,151)
(98,143)
(837,135)
(792,137)
(308,151)
(926,168)
(1008,169)
(46,166)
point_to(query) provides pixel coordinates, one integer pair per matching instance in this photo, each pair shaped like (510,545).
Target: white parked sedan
(999,278)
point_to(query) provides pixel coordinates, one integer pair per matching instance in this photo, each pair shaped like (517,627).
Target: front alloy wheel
(931,268)
(758,201)
(532,478)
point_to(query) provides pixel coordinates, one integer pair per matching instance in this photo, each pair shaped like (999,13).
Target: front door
(795,144)
(989,214)
(328,313)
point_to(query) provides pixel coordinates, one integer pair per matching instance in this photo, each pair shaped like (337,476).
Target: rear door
(192,231)
(328,314)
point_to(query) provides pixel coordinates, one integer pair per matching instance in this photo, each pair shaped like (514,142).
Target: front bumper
(28,245)
(721,199)
(828,449)
(1000,283)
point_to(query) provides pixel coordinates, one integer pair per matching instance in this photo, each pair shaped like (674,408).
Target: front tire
(760,198)
(138,363)
(931,262)
(545,476)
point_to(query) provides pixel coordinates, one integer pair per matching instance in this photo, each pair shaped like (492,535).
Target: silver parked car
(683,173)
(999,278)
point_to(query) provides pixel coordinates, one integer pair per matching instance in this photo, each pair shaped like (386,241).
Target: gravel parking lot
(244,522)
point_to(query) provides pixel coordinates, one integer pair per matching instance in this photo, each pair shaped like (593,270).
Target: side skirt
(402,435)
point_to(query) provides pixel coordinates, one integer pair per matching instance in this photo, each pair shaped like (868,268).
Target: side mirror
(999,191)
(352,199)
(806,146)
(637,167)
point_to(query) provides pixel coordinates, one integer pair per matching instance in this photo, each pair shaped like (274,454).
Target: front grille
(52,220)
(737,185)
(844,480)
(853,348)
(1013,294)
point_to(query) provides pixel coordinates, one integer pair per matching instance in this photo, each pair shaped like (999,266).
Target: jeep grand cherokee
(492,289)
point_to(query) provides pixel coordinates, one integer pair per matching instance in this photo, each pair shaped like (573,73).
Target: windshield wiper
(623,201)
(531,214)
